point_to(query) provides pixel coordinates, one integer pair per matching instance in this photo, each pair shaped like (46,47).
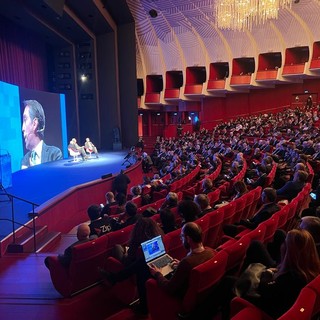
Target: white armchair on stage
(74,154)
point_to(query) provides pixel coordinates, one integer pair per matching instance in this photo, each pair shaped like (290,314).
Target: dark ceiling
(76,24)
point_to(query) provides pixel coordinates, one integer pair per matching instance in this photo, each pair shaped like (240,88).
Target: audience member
(83,233)
(110,202)
(188,210)
(268,208)
(168,220)
(120,183)
(98,225)
(127,218)
(292,188)
(202,200)
(177,285)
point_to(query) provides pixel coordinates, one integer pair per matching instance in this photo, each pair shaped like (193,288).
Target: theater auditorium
(130,127)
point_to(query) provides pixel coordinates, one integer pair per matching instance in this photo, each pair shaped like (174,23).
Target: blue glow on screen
(10,128)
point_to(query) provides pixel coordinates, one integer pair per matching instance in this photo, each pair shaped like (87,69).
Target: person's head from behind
(188,210)
(131,209)
(268,195)
(202,200)
(311,224)
(121,199)
(143,230)
(33,124)
(94,212)
(299,255)
(207,184)
(83,232)
(172,199)
(87,139)
(240,187)
(136,191)
(110,197)
(300,176)
(191,235)
(167,219)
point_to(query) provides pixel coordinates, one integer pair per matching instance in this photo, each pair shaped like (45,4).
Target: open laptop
(155,253)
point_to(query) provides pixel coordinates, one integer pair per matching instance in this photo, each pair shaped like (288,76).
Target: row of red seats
(227,261)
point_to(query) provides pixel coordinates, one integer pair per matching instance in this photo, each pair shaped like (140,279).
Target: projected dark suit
(49,153)
(33,127)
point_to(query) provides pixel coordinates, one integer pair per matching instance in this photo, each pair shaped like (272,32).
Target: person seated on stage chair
(33,128)
(76,148)
(83,233)
(98,225)
(90,147)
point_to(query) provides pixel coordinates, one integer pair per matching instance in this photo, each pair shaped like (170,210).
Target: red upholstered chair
(271,226)
(236,252)
(202,279)
(204,224)
(215,228)
(117,237)
(283,217)
(302,309)
(315,285)
(82,272)
(229,212)
(214,196)
(125,291)
(174,245)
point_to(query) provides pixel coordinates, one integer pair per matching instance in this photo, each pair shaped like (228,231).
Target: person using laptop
(191,236)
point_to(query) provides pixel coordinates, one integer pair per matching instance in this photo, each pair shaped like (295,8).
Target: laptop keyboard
(162,262)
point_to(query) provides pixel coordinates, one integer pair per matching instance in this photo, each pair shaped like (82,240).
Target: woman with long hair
(144,229)
(298,266)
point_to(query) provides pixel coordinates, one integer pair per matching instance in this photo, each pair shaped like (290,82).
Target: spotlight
(83,78)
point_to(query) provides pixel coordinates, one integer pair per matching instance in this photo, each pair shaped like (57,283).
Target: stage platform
(40,183)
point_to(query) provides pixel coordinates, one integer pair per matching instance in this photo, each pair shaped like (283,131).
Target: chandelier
(243,14)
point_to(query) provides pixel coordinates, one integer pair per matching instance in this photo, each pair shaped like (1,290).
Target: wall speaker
(105,176)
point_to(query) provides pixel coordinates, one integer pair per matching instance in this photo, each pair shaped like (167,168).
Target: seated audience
(268,208)
(203,202)
(110,202)
(299,265)
(98,225)
(291,189)
(83,233)
(177,285)
(133,260)
(188,210)
(207,186)
(240,189)
(125,219)
(168,220)
(171,201)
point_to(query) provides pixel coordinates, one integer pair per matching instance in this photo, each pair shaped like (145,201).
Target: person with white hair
(146,162)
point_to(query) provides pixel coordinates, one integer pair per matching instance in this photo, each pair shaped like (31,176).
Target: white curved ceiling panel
(192,49)
(172,57)
(290,28)
(183,33)
(239,43)
(267,39)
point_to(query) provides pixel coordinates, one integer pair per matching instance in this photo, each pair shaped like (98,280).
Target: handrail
(11,198)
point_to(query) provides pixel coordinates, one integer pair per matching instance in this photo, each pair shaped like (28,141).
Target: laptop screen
(153,248)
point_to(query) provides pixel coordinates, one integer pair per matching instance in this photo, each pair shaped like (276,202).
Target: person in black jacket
(120,183)
(268,208)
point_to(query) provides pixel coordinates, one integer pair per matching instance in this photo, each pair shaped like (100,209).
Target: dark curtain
(22,57)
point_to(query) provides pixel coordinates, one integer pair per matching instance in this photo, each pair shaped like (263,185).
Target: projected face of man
(29,128)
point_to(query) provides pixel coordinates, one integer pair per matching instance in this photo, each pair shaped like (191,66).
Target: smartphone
(313,196)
